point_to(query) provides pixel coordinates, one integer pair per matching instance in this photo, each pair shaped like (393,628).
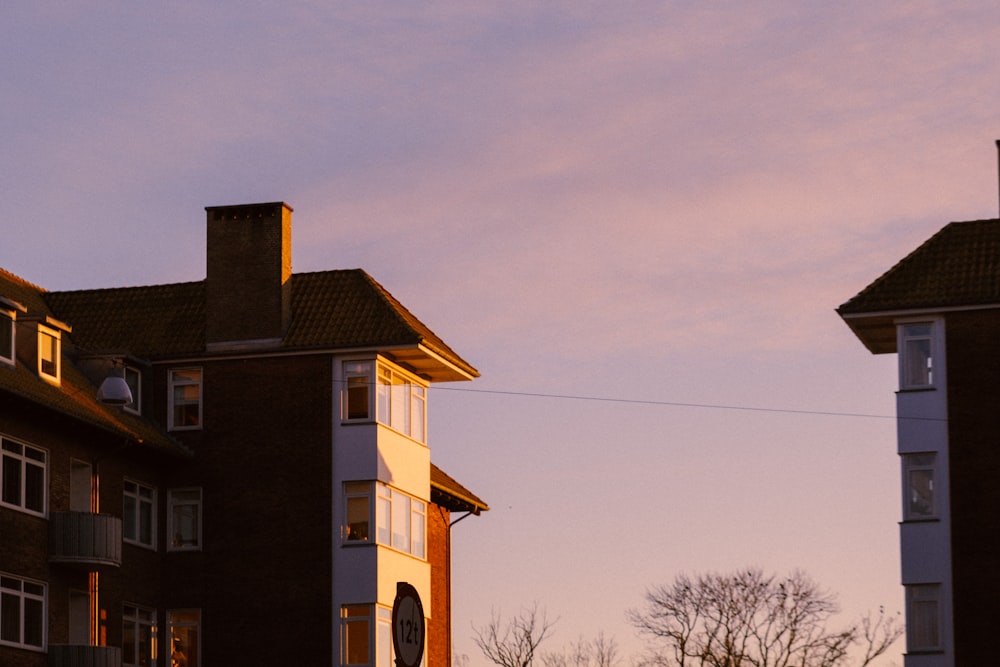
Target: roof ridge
(18,279)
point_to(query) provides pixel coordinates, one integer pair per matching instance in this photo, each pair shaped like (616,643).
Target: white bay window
(400,520)
(398,400)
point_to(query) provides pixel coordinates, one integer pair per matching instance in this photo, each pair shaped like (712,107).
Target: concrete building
(257,500)
(938,309)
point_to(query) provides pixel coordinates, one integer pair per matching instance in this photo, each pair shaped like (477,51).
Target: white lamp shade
(114,391)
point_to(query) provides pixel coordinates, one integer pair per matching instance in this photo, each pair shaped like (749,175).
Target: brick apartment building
(938,309)
(263,492)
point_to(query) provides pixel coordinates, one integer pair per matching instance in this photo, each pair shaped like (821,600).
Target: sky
(635,219)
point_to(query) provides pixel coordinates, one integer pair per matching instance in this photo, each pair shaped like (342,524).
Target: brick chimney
(247,289)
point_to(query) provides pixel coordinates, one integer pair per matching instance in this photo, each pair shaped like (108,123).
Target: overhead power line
(678,404)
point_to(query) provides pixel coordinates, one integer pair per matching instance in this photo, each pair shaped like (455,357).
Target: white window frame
(395,398)
(923,608)
(374,628)
(919,478)
(176,500)
(49,369)
(911,377)
(358,388)
(8,353)
(136,619)
(396,519)
(24,457)
(183,622)
(134,489)
(133,377)
(27,593)
(182,378)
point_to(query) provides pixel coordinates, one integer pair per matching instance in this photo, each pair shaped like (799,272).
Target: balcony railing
(85,539)
(69,655)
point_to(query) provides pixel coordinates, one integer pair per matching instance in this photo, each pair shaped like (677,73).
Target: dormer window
(8,318)
(133,378)
(49,353)
(6,337)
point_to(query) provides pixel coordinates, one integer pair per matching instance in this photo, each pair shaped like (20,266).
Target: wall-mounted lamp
(114,390)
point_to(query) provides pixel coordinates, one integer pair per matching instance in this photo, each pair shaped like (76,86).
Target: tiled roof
(75,396)
(447,492)
(330,309)
(958,266)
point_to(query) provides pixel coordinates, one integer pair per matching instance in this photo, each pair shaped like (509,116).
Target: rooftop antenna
(998,167)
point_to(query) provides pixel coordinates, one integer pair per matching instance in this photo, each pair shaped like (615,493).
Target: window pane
(6,337)
(383,628)
(418,533)
(10,618)
(400,521)
(400,408)
(185,524)
(146,523)
(357,518)
(132,379)
(34,488)
(923,630)
(11,480)
(129,519)
(921,493)
(357,398)
(34,622)
(48,354)
(917,359)
(384,520)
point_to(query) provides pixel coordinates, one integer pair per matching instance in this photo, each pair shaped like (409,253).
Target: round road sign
(408,631)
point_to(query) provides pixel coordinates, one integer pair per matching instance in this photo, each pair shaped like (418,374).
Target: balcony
(69,655)
(86,540)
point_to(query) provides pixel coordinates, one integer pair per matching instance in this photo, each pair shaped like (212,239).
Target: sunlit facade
(260,496)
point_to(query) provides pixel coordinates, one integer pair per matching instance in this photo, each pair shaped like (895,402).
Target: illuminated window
(916,356)
(185,637)
(49,353)
(918,482)
(138,637)
(923,617)
(23,478)
(139,514)
(184,395)
(22,612)
(399,401)
(400,519)
(184,519)
(357,645)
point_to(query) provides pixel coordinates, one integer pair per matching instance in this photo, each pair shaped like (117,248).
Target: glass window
(133,378)
(49,346)
(923,621)
(357,390)
(916,356)
(184,518)
(383,638)
(355,635)
(185,399)
(918,478)
(358,506)
(401,521)
(139,514)
(6,337)
(23,477)
(358,646)
(138,637)
(22,612)
(185,637)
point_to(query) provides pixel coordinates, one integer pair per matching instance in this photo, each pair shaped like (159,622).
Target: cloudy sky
(634,218)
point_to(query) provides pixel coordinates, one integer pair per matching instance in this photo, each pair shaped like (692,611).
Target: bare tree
(598,652)
(747,619)
(514,643)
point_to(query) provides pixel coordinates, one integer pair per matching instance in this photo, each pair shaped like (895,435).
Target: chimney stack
(247,288)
